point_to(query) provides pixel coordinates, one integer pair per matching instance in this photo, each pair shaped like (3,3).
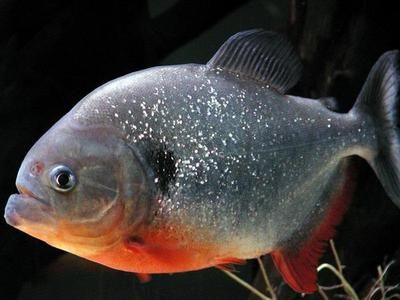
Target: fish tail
(379,99)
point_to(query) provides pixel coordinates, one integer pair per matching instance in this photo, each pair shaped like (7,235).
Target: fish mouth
(24,192)
(27,209)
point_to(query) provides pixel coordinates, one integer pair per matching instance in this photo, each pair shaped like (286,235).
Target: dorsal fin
(299,266)
(259,55)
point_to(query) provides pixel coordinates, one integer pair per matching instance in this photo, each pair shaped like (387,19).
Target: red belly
(154,253)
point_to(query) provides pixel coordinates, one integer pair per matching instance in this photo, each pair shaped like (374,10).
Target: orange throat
(159,251)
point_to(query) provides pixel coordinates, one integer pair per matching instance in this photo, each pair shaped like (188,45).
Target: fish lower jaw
(11,216)
(25,192)
(22,209)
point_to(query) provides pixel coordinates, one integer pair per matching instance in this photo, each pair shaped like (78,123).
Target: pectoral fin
(227,263)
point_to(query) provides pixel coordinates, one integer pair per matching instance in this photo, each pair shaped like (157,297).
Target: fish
(185,167)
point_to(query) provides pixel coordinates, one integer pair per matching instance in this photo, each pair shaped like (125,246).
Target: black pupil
(63,179)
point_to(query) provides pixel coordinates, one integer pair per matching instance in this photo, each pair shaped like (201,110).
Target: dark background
(52,53)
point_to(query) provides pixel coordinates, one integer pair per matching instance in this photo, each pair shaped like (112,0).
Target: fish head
(81,188)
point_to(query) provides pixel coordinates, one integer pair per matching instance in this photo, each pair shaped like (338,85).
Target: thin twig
(381,283)
(266,279)
(331,287)
(322,293)
(347,287)
(337,259)
(246,285)
(392,288)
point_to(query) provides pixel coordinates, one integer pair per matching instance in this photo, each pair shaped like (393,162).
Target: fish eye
(62,179)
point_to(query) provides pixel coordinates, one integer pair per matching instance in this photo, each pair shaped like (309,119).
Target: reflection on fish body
(179,168)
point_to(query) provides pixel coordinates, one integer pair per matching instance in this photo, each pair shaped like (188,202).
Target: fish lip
(23,209)
(25,206)
(25,192)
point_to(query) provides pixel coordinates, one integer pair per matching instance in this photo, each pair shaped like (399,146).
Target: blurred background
(52,53)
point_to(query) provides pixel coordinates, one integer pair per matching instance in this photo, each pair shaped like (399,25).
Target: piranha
(185,167)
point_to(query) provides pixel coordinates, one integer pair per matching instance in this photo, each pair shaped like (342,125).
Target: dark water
(70,277)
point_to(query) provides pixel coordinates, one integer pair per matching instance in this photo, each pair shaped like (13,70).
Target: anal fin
(298,272)
(298,266)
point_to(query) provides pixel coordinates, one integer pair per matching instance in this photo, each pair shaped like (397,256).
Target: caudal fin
(379,99)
